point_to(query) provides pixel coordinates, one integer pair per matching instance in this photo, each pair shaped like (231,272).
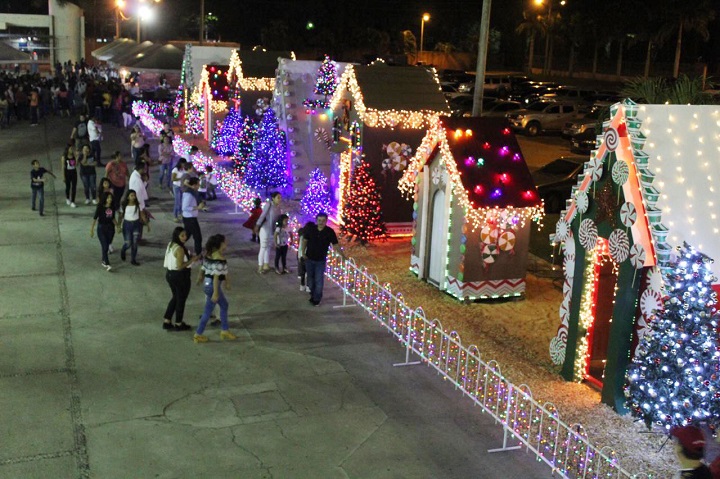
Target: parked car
(462,105)
(555,180)
(606,98)
(522,89)
(449,91)
(570,94)
(585,142)
(455,77)
(588,121)
(532,95)
(543,116)
(501,108)
(498,83)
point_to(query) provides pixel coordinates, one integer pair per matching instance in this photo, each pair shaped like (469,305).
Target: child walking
(37,184)
(252,220)
(211,183)
(302,272)
(282,238)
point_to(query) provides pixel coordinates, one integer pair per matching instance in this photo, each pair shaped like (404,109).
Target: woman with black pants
(177,263)
(69,166)
(106,225)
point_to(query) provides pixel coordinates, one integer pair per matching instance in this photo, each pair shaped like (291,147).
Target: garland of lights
(381,118)
(235,76)
(476,217)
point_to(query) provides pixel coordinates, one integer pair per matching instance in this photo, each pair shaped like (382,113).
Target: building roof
(132,53)
(399,88)
(491,165)
(166,57)
(9,54)
(117,48)
(106,49)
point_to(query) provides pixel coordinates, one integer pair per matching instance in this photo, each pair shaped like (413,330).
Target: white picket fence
(526,422)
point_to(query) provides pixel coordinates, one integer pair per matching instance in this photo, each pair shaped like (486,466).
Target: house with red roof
(473,204)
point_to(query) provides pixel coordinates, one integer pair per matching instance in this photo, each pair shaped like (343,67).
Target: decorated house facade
(648,187)
(473,203)
(381,114)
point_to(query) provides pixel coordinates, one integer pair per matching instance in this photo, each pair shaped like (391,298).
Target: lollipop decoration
(628,214)
(612,139)
(489,234)
(619,245)
(596,170)
(637,256)
(588,234)
(582,202)
(620,173)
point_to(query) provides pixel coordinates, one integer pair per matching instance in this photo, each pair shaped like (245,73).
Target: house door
(604,302)
(437,249)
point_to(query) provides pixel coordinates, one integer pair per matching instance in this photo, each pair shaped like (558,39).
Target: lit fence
(526,422)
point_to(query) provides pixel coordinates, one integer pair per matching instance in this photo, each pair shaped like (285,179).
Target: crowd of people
(120,201)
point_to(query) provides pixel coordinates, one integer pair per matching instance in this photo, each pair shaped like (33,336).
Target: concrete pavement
(91,386)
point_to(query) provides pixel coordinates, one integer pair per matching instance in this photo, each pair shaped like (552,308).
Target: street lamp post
(119,5)
(548,36)
(425,18)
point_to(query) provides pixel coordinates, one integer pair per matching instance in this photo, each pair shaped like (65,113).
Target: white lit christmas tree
(325,85)
(674,378)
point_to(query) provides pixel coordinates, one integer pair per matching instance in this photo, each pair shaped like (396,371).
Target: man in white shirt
(138,185)
(95,135)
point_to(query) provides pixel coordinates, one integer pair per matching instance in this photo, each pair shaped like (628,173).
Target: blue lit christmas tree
(674,379)
(326,84)
(317,194)
(267,165)
(226,138)
(362,216)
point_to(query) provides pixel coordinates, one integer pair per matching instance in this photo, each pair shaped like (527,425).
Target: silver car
(543,116)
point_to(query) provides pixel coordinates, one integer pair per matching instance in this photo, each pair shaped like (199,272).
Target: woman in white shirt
(132,223)
(177,264)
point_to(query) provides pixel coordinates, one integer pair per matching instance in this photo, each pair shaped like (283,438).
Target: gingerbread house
(647,188)
(474,201)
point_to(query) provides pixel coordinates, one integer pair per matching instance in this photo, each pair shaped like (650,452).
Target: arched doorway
(437,247)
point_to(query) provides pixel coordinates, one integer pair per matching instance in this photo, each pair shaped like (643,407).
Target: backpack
(82,130)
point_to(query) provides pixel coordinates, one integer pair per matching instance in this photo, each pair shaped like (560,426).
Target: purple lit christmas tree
(267,165)
(674,380)
(246,139)
(326,84)
(317,194)
(225,141)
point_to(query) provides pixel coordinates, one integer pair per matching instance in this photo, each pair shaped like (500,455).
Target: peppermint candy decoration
(386,165)
(611,138)
(650,302)
(596,169)
(562,229)
(620,172)
(394,149)
(399,163)
(558,344)
(569,267)
(489,253)
(489,234)
(654,279)
(436,175)
(619,245)
(588,234)
(570,247)
(506,241)
(637,256)
(628,214)
(582,201)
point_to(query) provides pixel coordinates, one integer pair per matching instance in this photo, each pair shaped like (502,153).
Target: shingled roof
(491,166)
(399,88)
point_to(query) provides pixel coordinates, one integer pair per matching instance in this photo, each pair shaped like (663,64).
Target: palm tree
(532,26)
(682,17)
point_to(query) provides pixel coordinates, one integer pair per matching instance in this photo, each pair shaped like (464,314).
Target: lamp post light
(425,18)
(119,5)
(546,64)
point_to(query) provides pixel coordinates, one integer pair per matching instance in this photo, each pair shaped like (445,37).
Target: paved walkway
(91,386)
